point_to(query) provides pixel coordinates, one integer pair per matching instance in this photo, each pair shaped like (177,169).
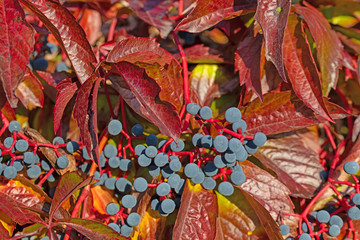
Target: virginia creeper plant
(160,119)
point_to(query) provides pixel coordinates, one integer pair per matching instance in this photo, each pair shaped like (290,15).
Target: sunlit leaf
(29,91)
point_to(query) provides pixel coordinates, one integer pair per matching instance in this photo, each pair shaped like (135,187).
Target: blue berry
(2,167)
(163,189)
(193,108)
(85,154)
(323,216)
(199,178)
(139,149)
(356,199)
(174,180)
(221,143)
(112,208)
(175,165)
(123,185)
(304,236)
(45,165)
(166,172)
(133,219)
(209,183)
(177,147)
(8,142)
(14,126)
(210,169)
(241,154)
(62,67)
(161,159)
(336,220)
(114,162)
(102,159)
(39,64)
(284,229)
(110,183)
(205,113)
(115,227)
(125,164)
(180,187)
(137,130)
(140,184)
(62,162)
(154,170)
(126,230)
(151,151)
(151,140)
(351,167)
(10,172)
(225,188)
(51,47)
(353,213)
(237,178)
(196,139)
(206,141)
(18,165)
(114,127)
(219,161)
(229,157)
(191,170)
(259,139)
(72,146)
(110,151)
(167,206)
(58,140)
(155,204)
(334,230)
(34,172)
(232,115)
(235,145)
(250,147)
(21,145)
(128,201)
(239,125)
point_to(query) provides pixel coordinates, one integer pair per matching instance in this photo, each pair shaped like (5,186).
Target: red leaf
(29,91)
(90,22)
(283,112)
(201,54)
(17,43)
(85,113)
(295,159)
(301,68)
(68,184)
(155,13)
(272,16)
(208,13)
(247,62)
(139,49)
(328,46)
(68,33)
(142,94)
(5,107)
(91,229)
(198,208)
(66,90)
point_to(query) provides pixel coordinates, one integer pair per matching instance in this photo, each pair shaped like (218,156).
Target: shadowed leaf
(295,160)
(198,207)
(201,54)
(328,46)
(17,43)
(283,112)
(272,15)
(69,34)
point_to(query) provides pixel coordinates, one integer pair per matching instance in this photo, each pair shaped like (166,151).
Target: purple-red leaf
(295,159)
(139,49)
(208,13)
(65,91)
(328,46)
(155,13)
(283,112)
(17,43)
(266,189)
(247,62)
(198,208)
(85,113)
(69,34)
(91,229)
(142,94)
(201,54)
(301,68)
(272,16)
